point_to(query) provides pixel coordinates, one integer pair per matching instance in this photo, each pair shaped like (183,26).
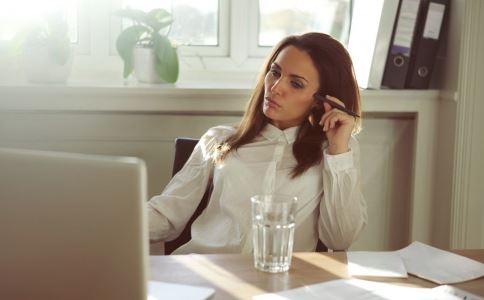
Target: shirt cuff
(338,162)
(156,224)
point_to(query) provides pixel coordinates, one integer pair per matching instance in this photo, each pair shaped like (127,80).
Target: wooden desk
(234,277)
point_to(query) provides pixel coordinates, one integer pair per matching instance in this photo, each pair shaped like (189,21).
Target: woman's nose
(277,86)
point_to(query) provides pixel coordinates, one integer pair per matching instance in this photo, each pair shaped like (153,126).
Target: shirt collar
(273,133)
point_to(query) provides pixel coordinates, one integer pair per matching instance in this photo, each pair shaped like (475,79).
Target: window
(14,16)
(200,28)
(224,37)
(19,14)
(274,22)
(296,17)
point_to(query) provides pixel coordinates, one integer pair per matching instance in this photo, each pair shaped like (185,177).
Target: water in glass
(273,233)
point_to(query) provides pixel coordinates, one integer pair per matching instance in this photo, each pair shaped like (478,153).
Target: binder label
(435,16)
(405,27)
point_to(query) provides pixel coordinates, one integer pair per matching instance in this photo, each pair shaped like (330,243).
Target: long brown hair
(336,78)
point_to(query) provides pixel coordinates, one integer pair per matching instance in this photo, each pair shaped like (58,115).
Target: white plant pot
(39,68)
(144,65)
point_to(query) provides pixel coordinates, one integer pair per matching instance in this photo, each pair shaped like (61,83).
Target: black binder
(426,44)
(401,47)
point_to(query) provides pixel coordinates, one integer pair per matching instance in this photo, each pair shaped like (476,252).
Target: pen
(335,105)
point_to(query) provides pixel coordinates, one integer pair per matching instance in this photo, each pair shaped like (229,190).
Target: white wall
(387,154)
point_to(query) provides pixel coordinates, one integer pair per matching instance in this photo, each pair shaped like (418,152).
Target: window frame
(254,27)
(83,45)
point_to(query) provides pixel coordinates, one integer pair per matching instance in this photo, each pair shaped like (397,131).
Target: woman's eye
(297,85)
(275,72)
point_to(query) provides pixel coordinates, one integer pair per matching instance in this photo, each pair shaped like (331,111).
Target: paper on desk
(356,289)
(457,292)
(158,290)
(439,266)
(382,264)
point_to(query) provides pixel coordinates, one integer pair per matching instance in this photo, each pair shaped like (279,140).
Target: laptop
(73,226)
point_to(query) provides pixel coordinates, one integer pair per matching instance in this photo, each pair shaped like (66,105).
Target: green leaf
(158,18)
(133,14)
(125,44)
(167,59)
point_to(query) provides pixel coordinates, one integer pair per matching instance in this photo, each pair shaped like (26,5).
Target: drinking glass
(273,223)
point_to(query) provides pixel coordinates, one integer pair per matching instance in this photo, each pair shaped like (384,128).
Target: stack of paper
(381,264)
(158,290)
(418,259)
(447,289)
(356,289)
(439,266)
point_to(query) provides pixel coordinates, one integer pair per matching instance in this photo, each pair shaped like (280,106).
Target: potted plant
(45,51)
(145,49)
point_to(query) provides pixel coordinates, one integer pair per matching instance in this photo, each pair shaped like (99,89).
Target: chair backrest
(183,149)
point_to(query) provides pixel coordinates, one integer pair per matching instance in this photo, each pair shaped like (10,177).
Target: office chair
(183,149)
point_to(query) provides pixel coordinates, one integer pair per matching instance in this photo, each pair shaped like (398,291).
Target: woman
(286,143)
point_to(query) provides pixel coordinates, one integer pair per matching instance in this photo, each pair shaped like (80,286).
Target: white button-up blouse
(330,205)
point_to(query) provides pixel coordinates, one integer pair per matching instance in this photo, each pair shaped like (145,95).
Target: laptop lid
(72,226)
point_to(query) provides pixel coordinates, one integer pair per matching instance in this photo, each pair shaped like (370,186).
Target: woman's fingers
(327,110)
(325,120)
(335,118)
(327,107)
(333,115)
(336,100)
(331,118)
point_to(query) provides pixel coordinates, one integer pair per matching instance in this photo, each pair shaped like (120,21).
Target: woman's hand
(338,126)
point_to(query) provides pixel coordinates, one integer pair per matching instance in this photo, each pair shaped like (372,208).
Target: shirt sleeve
(342,209)
(169,212)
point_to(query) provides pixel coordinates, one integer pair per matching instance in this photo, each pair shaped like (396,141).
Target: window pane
(15,15)
(297,17)
(195,22)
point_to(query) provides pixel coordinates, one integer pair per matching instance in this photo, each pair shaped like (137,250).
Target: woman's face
(289,87)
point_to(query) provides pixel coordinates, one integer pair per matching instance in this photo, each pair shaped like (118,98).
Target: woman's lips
(271,103)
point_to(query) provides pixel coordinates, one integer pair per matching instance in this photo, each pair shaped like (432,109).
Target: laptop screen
(72,226)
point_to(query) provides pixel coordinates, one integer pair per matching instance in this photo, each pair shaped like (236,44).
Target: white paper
(439,266)
(407,20)
(162,290)
(356,289)
(447,289)
(382,264)
(433,23)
